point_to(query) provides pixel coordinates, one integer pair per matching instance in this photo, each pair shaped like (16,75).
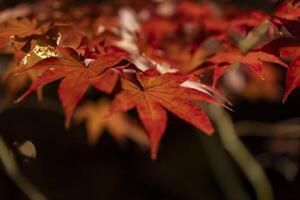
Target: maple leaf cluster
(155,56)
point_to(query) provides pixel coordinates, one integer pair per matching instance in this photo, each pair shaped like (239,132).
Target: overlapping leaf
(153,94)
(77,76)
(20,28)
(253,60)
(292,80)
(120,126)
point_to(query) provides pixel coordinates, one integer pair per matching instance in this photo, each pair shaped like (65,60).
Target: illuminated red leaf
(153,94)
(77,76)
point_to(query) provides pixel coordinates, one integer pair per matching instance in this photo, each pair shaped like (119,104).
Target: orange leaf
(120,126)
(17,27)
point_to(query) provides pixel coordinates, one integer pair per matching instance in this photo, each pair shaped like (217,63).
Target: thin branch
(10,167)
(282,129)
(250,167)
(222,168)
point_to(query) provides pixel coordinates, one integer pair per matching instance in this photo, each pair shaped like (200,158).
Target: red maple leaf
(153,93)
(287,14)
(254,60)
(195,12)
(288,9)
(77,75)
(292,80)
(274,47)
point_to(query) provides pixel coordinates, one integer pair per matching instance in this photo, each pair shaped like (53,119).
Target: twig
(222,168)
(250,167)
(282,129)
(10,167)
